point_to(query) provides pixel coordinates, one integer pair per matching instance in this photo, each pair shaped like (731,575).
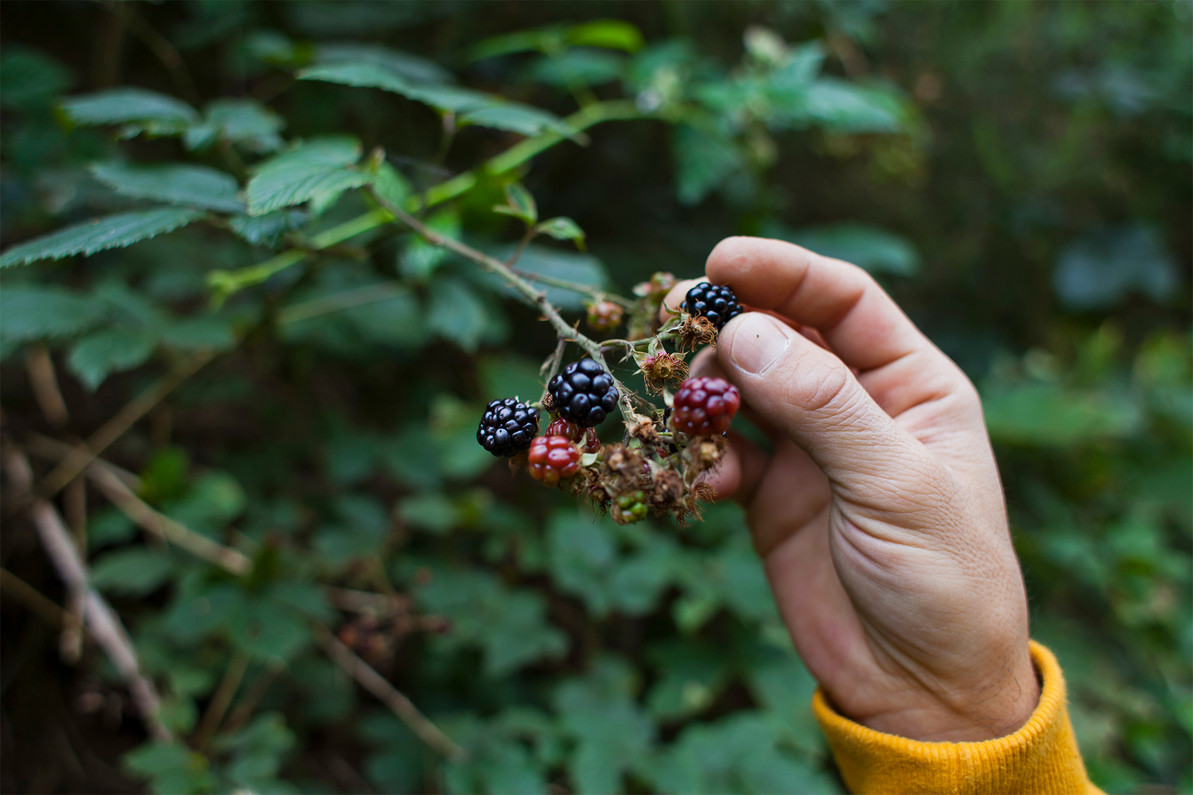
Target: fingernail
(757,342)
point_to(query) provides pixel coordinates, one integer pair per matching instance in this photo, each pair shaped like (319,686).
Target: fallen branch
(101,622)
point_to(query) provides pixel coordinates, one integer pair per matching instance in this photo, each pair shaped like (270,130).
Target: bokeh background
(1016,174)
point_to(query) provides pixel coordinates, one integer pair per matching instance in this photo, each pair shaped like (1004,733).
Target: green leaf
(473,107)
(704,158)
(174,183)
(29,78)
(562,228)
(1049,415)
(521,119)
(520,203)
(435,513)
(1103,268)
(100,234)
(411,67)
(390,185)
(611,34)
(237,121)
(266,230)
(171,767)
(317,169)
(566,265)
(576,68)
(200,333)
(420,258)
(30,312)
(137,571)
(130,105)
(98,355)
(869,247)
(846,107)
(457,313)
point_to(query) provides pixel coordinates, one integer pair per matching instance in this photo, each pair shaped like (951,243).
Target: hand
(879,514)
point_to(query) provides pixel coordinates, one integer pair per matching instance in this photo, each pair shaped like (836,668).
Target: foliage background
(1017,175)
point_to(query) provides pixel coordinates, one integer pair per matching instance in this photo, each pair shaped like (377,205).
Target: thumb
(814,398)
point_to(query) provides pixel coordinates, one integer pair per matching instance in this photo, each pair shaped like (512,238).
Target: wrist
(965,714)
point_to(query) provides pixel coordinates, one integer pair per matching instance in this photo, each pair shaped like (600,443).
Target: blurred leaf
(237,121)
(516,118)
(29,78)
(411,67)
(99,354)
(194,186)
(267,229)
(1103,268)
(313,170)
(100,234)
(30,312)
(390,185)
(519,203)
(613,34)
(870,247)
(579,68)
(704,159)
(420,258)
(457,313)
(1046,415)
(129,105)
(136,571)
(562,228)
(434,513)
(171,767)
(569,266)
(846,107)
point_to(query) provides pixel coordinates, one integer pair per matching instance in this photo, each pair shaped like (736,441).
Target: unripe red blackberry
(583,393)
(717,302)
(704,406)
(585,437)
(553,458)
(507,427)
(604,315)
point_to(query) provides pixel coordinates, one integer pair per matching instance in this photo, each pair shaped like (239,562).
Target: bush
(253,396)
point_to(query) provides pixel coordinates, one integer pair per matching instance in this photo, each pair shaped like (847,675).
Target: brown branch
(116,427)
(102,623)
(221,700)
(368,678)
(45,386)
(37,602)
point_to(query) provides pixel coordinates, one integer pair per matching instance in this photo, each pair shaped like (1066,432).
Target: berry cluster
(583,393)
(716,302)
(656,468)
(507,427)
(704,406)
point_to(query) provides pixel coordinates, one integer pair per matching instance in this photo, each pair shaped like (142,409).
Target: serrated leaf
(100,234)
(173,183)
(562,228)
(237,121)
(316,169)
(129,105)
(98,355)
(390,185)
(30,312)
(136,571)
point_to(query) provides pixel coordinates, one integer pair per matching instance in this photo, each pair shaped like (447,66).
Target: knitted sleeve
(1041,757)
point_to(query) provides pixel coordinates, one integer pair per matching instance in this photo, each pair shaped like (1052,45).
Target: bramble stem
(526,292)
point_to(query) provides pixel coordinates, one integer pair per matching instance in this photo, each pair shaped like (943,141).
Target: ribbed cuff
(1041,757)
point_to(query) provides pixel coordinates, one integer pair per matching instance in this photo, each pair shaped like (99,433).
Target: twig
(101,621)
(400,705)
(114,428)
(525,291)
(35,600)
(221,700)
(45,386)
(252,698)
(159,524)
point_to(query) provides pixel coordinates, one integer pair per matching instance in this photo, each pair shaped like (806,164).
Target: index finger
(858,320)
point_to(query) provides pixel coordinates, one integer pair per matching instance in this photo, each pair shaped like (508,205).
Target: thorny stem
(526,292)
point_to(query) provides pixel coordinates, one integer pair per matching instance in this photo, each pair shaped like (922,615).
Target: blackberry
(507,427)
(713,301)
(583,393)
(704,406)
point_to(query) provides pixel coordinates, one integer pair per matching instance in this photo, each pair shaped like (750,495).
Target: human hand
(879,514)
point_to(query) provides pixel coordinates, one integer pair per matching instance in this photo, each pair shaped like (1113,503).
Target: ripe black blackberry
(583,393)
(713,301)
(507,427)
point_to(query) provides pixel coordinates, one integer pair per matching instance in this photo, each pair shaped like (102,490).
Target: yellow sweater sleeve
(1041,757)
